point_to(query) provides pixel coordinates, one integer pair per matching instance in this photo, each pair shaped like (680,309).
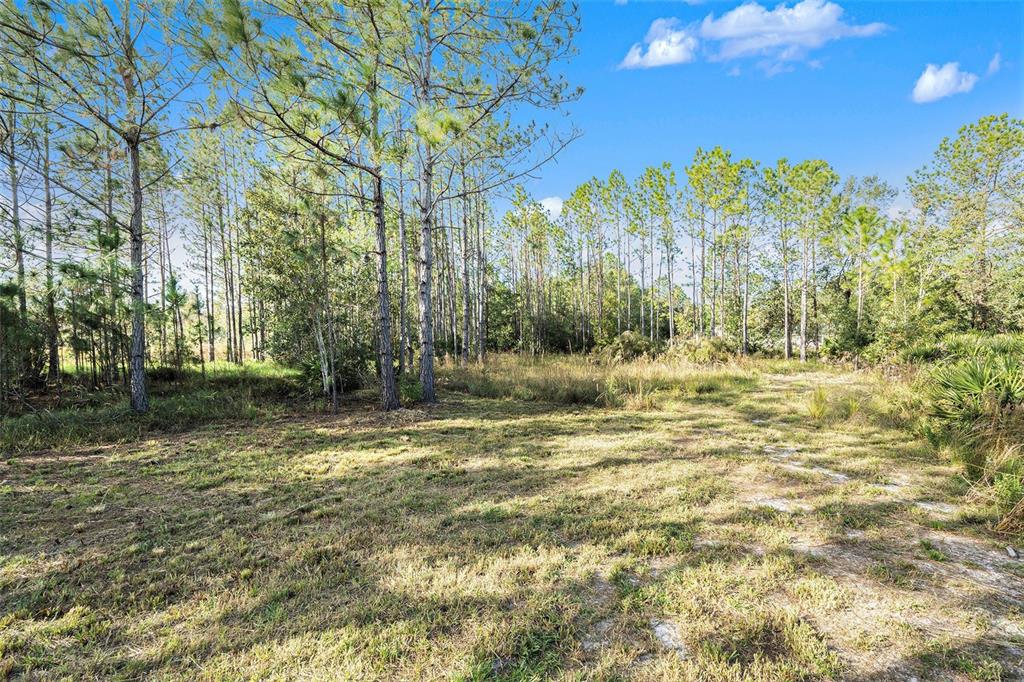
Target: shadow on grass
(371,545)
(229,526)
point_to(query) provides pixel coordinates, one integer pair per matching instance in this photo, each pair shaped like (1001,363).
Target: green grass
(253,392)
(498,538)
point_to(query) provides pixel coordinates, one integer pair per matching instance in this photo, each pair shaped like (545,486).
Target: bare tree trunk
(629,285)
(618,274)
(225,262)
(53,356)
(403,296)
(671,304)
(786,300)
(137,369)
(643,281)
(465,272)
(814,296)
(163,285)
(653,317)
(803,299)
(19,240)
(19,245)
(703,270)
(240,346)
(860,290)
(481,275)
(426,226)
(389,392)
(746,295)
(208,282)
(449,240)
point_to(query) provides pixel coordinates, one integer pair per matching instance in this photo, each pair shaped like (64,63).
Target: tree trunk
(618,273)
(225,262)
(746,295)
(786,304)
(860,290)
(389,393)
(481,275)
(426,226)
(803,299)
(19,243)
(53,356)
(403,294)
(137,368)
(465,273)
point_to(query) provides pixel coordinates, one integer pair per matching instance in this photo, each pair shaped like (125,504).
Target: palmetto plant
(976,406)
(976,386)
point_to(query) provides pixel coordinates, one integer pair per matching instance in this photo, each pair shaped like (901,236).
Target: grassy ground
(744,531)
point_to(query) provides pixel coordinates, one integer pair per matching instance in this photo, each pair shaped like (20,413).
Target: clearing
(723,536)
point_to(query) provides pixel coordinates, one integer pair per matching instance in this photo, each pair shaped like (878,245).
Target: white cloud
(779,36)
(783,34)
(553,206)
(666,43)
(938,82)
(994,65)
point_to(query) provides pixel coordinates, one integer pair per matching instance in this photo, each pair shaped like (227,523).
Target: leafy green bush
(1008,488)
(410,390)
(976,408)
(961,346)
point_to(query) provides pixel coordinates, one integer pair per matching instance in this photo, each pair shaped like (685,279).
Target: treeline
(311,182)
(785,259)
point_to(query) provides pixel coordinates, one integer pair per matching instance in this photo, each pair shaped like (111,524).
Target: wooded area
(295,184)
(255,215)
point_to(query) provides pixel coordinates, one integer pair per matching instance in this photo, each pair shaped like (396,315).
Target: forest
(300,380)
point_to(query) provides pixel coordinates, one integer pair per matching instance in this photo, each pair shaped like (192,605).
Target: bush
(962,346)
(705,351)
(628,345)
(817,404)
(249,392)
(976,408)
(410,390)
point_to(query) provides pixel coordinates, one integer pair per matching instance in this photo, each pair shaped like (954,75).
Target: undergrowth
(178,402)
(641,384)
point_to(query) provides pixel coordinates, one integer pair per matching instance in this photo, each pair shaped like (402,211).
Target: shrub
(410,390)
(849,406)
(817,404)
(976,409)
(628,345)
(228,392)
(705,351)
(961,346)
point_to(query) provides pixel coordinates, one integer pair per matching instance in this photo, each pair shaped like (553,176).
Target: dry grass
(509,539)
(643,384)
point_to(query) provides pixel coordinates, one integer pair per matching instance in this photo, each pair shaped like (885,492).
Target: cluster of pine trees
(319,183)
(784,259)
(191,182)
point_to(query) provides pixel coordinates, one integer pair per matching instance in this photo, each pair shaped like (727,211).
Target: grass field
(739,523)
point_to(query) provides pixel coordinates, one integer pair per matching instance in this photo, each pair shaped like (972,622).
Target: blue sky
(833,80)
